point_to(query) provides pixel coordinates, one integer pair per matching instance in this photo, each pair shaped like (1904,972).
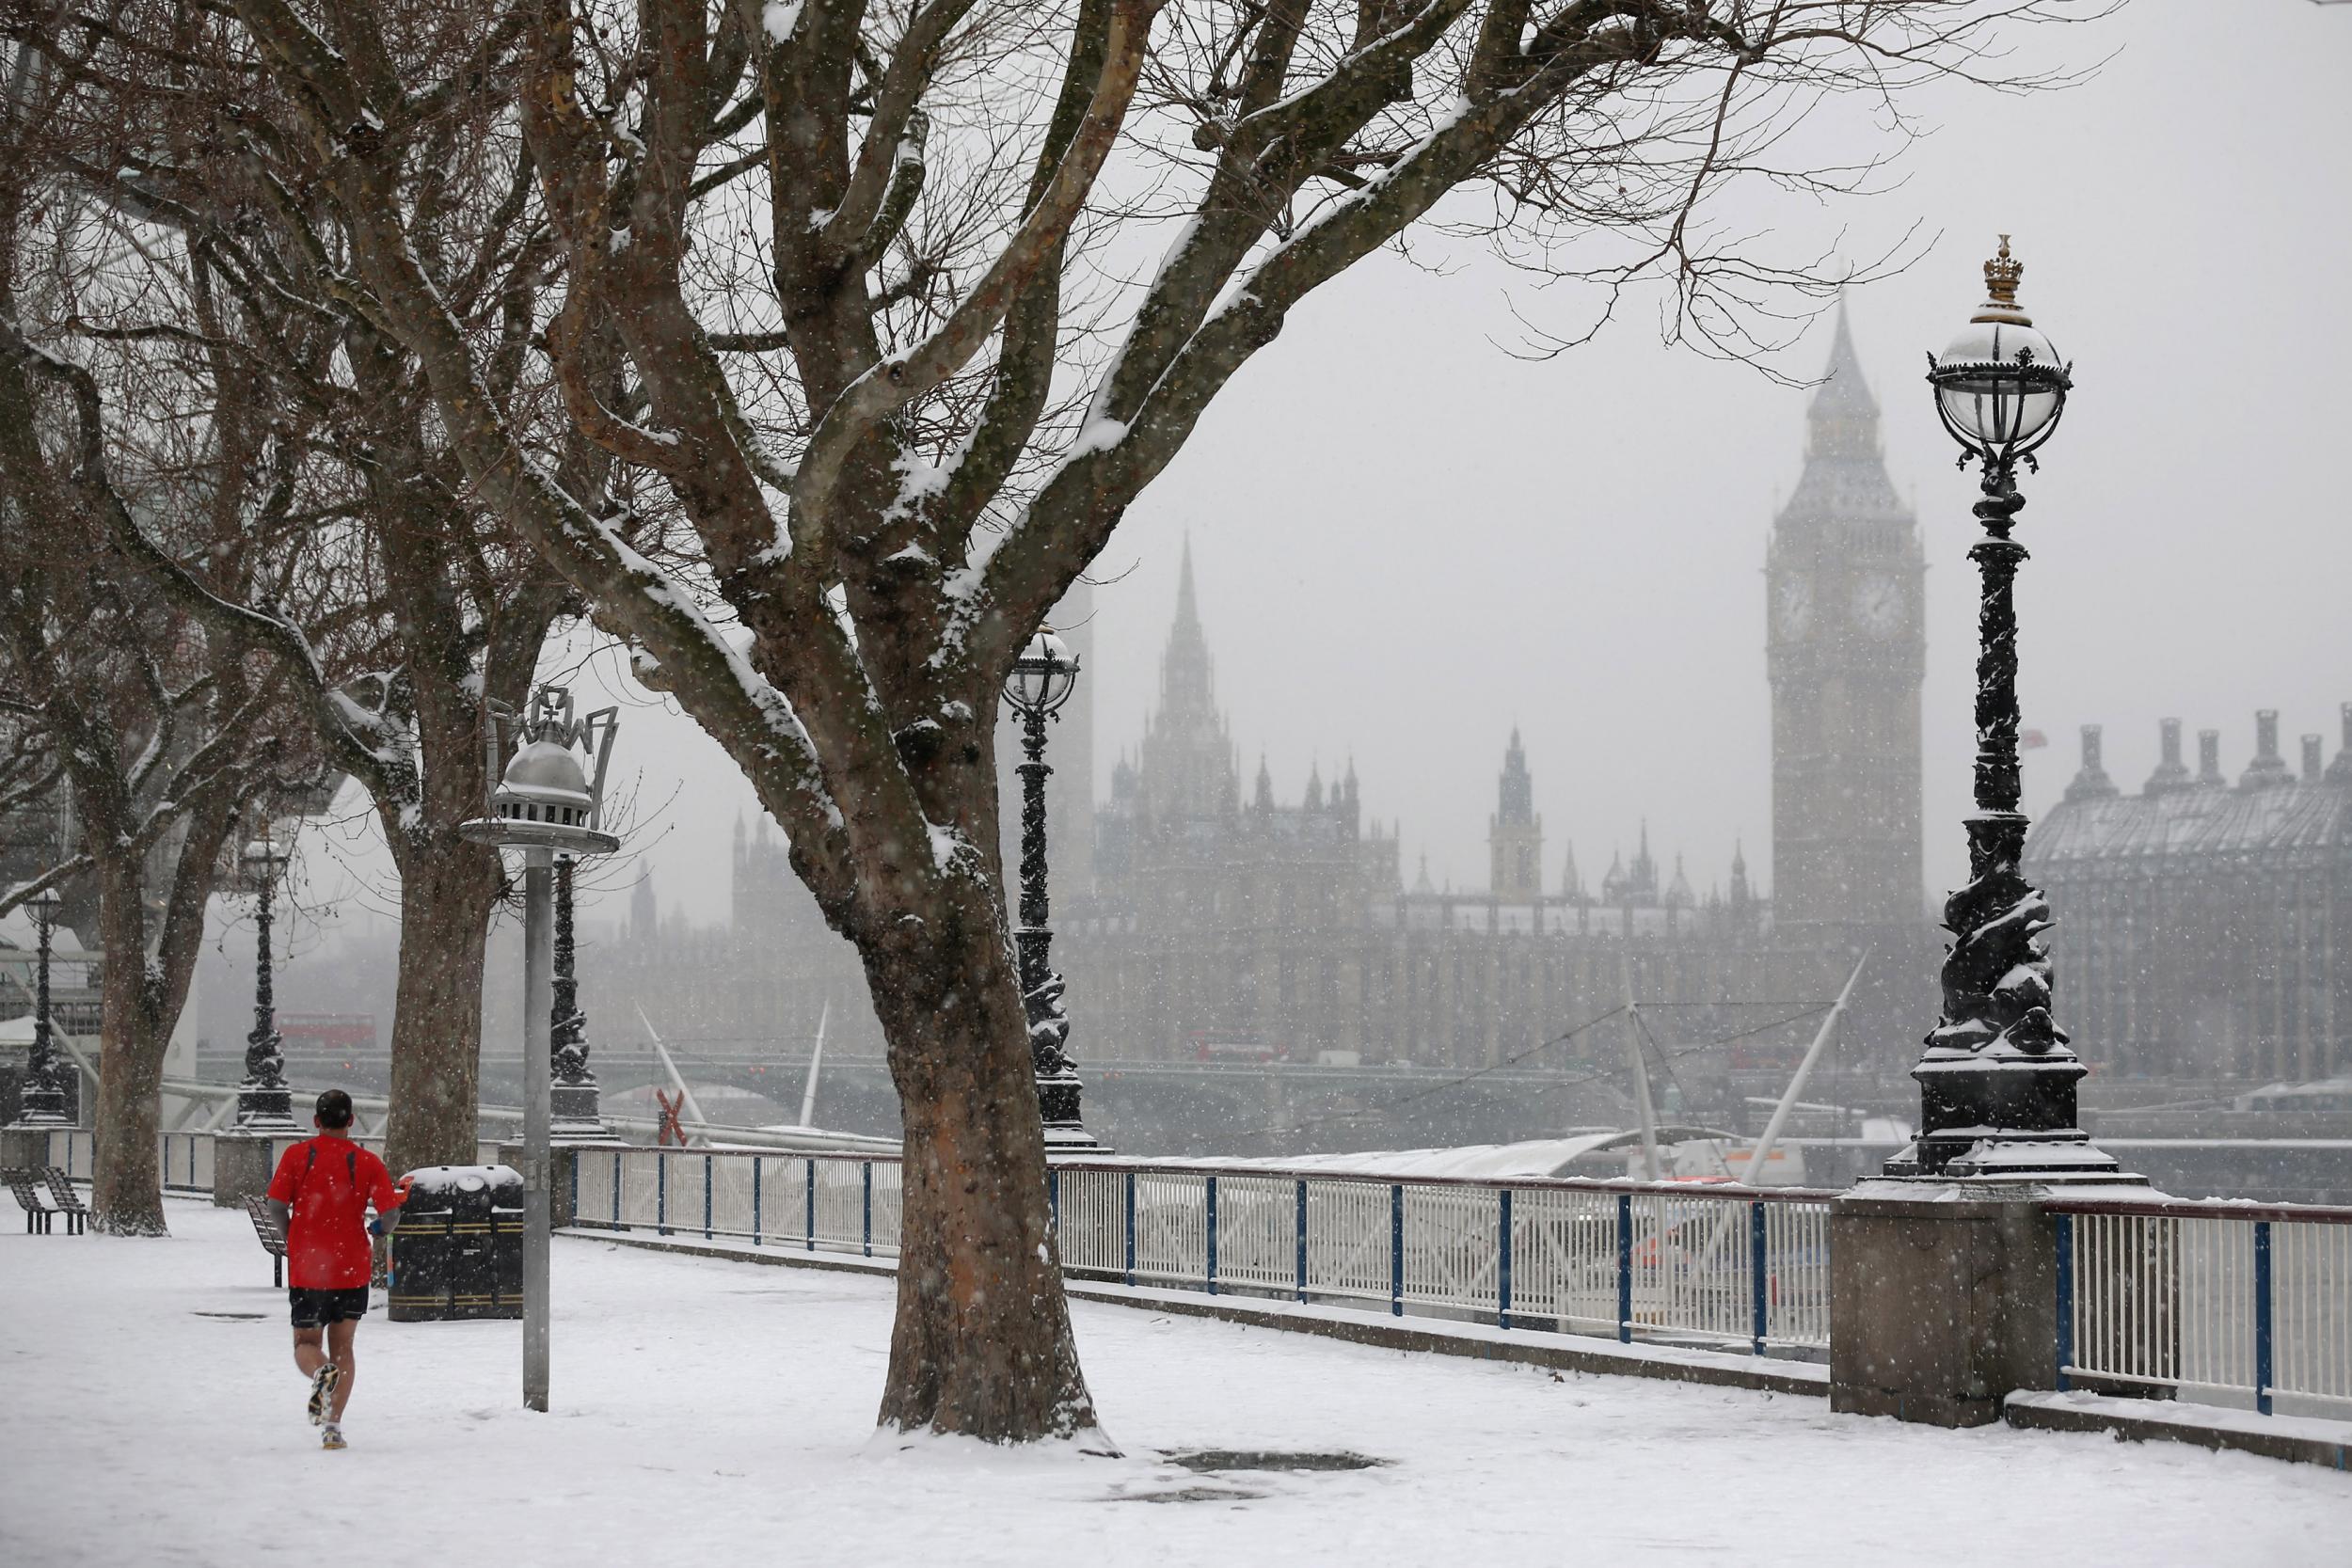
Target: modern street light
(1040,682)
(264,1103)
(41,1105)
(1996,1080)
(576,1117)
(545,801)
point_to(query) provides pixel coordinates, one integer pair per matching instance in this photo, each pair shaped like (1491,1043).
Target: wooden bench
(37,1211)
(272,1235)
(66,1200)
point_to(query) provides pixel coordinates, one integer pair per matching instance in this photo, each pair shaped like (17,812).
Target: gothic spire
(1844,415)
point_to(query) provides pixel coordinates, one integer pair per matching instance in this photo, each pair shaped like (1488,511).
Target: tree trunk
(982,1345)
(447,893)
(126,1180)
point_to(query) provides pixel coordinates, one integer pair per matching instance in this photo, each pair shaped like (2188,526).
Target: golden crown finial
(2001,275)
(2000,281)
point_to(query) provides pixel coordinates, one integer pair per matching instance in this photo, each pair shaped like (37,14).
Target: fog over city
(1409,537)
(1671,698)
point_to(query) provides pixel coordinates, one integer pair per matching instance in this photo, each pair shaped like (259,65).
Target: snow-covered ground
(712,1407)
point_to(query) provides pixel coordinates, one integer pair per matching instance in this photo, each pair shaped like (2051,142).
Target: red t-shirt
(329,1182)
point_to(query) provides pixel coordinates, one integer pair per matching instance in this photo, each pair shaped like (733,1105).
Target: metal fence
(1709,1266)
(2219,1302)
(186,1158)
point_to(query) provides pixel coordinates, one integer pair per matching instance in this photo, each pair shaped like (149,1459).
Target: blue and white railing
(2219,1302)
(1721,1267)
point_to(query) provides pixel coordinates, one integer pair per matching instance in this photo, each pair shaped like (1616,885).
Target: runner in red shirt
(321,1195)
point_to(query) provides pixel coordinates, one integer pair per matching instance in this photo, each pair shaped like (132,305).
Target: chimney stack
(2311,758)
(2092,782)
(2341,770)
(2268,768)
(2209,757)
(2171,773)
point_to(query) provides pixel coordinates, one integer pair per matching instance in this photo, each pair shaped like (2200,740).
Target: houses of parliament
(1208,917)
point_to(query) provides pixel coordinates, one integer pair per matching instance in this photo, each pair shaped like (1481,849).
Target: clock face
(1877,605)
(1793,605)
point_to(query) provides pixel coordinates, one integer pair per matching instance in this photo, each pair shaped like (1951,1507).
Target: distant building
(1199,920)
(2204,928)
(1846,649)
(1225,928)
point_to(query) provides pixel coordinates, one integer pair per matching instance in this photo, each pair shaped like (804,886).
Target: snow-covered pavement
(705,1407)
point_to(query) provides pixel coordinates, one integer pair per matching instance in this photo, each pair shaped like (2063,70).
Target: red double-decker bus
(327,1034)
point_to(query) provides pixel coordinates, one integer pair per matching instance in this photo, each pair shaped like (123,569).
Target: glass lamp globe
(262,857)
(1999,385)
(545,784)
(1044,675)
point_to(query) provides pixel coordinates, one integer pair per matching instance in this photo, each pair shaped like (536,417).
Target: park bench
(30,1198)
(66,1200)
(272,1235)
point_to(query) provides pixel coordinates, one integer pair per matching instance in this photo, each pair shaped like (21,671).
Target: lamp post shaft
(264,1103)
(45,1050)
(1036,908)
(1997,1082)
(538,962)
(42,1104)
(1997,557)
(1058,1088)
(265,1003)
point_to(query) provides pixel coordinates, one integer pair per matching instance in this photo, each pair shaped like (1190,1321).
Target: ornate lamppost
(264,1103)
(573,1109)
(1996,1080)
(1040,682)
(545,801)
(41,1104)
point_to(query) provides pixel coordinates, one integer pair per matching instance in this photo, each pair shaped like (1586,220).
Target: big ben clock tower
(1846,648)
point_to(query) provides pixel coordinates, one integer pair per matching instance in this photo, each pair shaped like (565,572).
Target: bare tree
(854,255)
(417,604)
(167,742)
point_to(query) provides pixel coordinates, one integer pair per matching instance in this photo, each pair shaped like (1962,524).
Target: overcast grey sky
(1408,541)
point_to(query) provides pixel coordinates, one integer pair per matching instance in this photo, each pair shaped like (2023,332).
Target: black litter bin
(457,1252)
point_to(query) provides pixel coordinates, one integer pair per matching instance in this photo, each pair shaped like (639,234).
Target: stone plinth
(242,1166)
(1943,1299)
(26,1147)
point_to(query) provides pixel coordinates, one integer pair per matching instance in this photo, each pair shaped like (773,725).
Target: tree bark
(982,1345)
(126,1182)
(447,895)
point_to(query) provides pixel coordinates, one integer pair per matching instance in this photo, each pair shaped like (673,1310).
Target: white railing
(186,1158)
(1711,1266)
(2219,1302)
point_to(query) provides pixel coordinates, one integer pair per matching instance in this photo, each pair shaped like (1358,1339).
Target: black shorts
(317,1309)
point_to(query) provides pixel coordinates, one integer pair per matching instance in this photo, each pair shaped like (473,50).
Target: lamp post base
(2001,1113)
(40,1107)
(1058,1106)
(575,1114)
(265,1108)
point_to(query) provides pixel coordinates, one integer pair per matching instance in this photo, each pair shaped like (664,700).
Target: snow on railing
(2217,1303)
(1716,1266)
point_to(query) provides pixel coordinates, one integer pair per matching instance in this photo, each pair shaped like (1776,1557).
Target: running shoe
(323,1383)
(332,1437)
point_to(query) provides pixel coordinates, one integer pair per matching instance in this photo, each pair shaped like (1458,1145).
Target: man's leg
(309,1354)
(339,1345)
